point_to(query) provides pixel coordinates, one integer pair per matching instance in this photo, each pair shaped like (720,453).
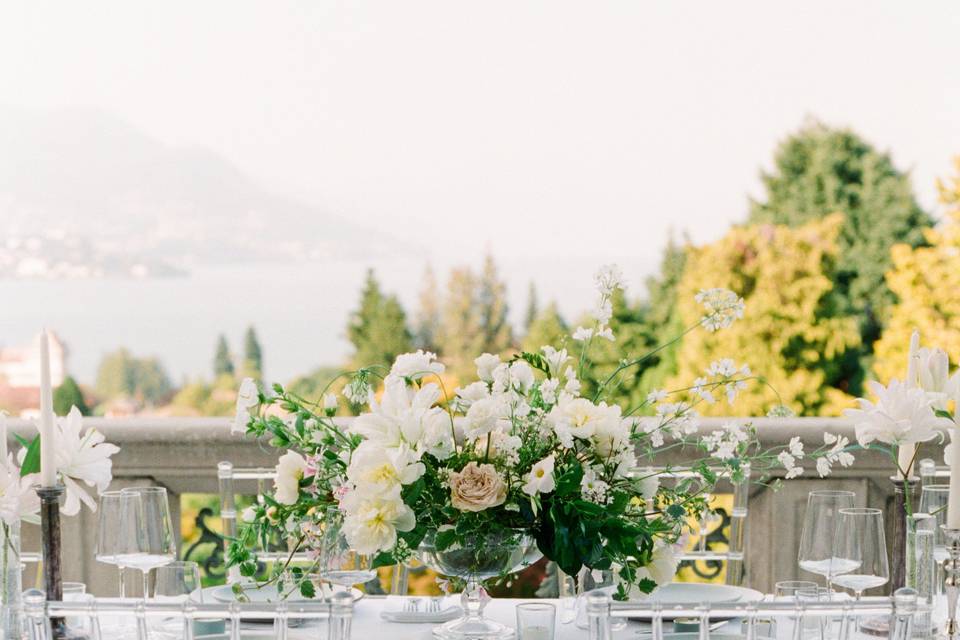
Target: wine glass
(339,564)
(116,531)
(817,551)
(860,544)
(177,581)
(154,543)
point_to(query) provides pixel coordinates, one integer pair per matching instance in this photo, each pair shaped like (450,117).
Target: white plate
(696,593)
(262,594)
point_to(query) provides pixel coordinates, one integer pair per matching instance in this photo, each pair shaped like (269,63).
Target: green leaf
(307,590)
(31,461)
(676,511)
(23,441)
(942,413)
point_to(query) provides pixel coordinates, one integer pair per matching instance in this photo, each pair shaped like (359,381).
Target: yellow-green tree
(926,281)
(791,333)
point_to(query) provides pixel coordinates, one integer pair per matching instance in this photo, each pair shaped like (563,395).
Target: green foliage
(121,375)
(492,303)
(252,355)
(821,170)
(200,398)
(427,323)
(69,395)
(222,360)
(533,308)
(460,332)
(547,328)
(378,328)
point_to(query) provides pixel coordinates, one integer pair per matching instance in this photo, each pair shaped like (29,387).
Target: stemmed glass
(817,550)
(861,545)
(116,531)
(339,564)
(154,543)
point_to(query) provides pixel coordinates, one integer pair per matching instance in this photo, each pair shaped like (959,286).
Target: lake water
(300,311)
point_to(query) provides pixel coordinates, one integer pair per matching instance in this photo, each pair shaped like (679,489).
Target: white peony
(377,469)
(413,366)
(372,520)
(582,419)
(82,457)
(540,479)
(290,470)
(900,415)
(486,363)
(401,415)
(248,397)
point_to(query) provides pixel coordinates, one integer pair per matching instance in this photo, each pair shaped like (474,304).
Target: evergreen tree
(461,335)
(378,328)
(819,171)
(492,306)
(252,354)
(533,310)
(120,375)
(548,328)
(427,325)
(69,395)
(222,362)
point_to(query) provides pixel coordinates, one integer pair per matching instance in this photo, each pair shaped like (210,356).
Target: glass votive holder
(76,592)
(536,621)
(798,591)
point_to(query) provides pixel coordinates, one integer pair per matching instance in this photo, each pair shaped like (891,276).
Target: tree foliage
(926,281)
(492,302)
(378,328)
(222,360)
(121,375)
(548,327)
(427,322)
(819,171)
(252,354)
(533,308)
(792,333)
(69,395)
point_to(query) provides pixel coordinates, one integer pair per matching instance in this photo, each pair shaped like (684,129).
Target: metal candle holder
(50,533)
(951,581)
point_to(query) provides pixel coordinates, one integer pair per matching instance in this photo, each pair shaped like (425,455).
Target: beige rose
(477,488)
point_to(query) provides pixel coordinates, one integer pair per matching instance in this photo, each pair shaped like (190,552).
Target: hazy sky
(581,130)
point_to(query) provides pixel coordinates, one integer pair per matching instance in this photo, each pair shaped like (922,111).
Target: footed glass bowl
(480,560)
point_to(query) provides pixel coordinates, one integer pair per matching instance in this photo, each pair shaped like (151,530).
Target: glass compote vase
(474,563)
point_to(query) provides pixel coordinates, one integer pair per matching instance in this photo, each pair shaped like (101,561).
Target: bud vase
(12,588)
(899,551)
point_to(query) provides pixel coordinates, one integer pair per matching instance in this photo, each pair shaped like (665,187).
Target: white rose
(290,470)
(482,417)
(485,366)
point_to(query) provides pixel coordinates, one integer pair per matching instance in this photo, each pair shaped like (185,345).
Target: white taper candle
(48,462)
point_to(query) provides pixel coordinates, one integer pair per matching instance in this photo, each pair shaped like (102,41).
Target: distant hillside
(85,183)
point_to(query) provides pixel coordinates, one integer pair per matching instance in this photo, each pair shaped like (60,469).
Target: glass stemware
(154,543)
(116,532)
(861,545)
(933,501)
(817,550)
(340,565)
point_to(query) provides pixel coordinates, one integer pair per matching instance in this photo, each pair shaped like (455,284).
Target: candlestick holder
(951,581)
(52,569)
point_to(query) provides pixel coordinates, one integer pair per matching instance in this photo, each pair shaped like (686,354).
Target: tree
(378,328)
(496,332)
(925,281)
(252,354)
(222,361)
(792,333)
(69,395)
(533,308)
(427,324)
(461,338)
(120,375)
(820,171)
(547,328)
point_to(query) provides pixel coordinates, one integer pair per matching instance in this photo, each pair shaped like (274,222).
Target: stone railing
(182,453)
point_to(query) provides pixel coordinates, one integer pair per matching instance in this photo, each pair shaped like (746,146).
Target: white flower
(612,432)
(592,489)
(358,392)
(438,437)
(82,458)
(413,366)
(789,463)
(482,417)
(555,359)
(836,454)
(582,333)
(401,416)
(330,403)
(469,394)
(548,390)
(724,442)
(933,371)
(372,521)
(517,376)
(572,386)
(722,308)
(608,278)
(700,389)
(376,469)
(606,333)
(290,470)
(656,396)
(579,417)
(18,497)
(248,397)
(900,415)
(249,514)
(604,312)
(649,484)
(661,569)
(823,467)
(486,363)
(795,447)
(540,479)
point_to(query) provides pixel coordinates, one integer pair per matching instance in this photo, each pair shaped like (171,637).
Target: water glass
(178,582)
(77,592)
(799,591)
(567,592)
(536,621)
(595,580)
(819,529)
(340,565)
(861,550)
(933,501)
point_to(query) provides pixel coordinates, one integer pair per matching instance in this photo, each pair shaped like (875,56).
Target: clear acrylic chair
(45,620)
(227,475)
(843,616)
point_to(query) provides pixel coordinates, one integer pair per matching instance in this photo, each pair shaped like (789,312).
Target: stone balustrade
(182,453)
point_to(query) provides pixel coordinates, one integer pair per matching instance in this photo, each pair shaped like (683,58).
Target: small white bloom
(608,278)
(486,363)
(606,333)
(604,312)
(249,514)
(290,470)
(413,366)
(471,393)
(540,479)
(555,359)
(248,397)
(517,376)
(593,489)
(582,333)
(330,404)
(18,496)
(548,390)
(795,447)
(572,385)
(722,307)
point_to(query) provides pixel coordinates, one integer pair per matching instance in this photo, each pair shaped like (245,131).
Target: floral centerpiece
(519,456)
